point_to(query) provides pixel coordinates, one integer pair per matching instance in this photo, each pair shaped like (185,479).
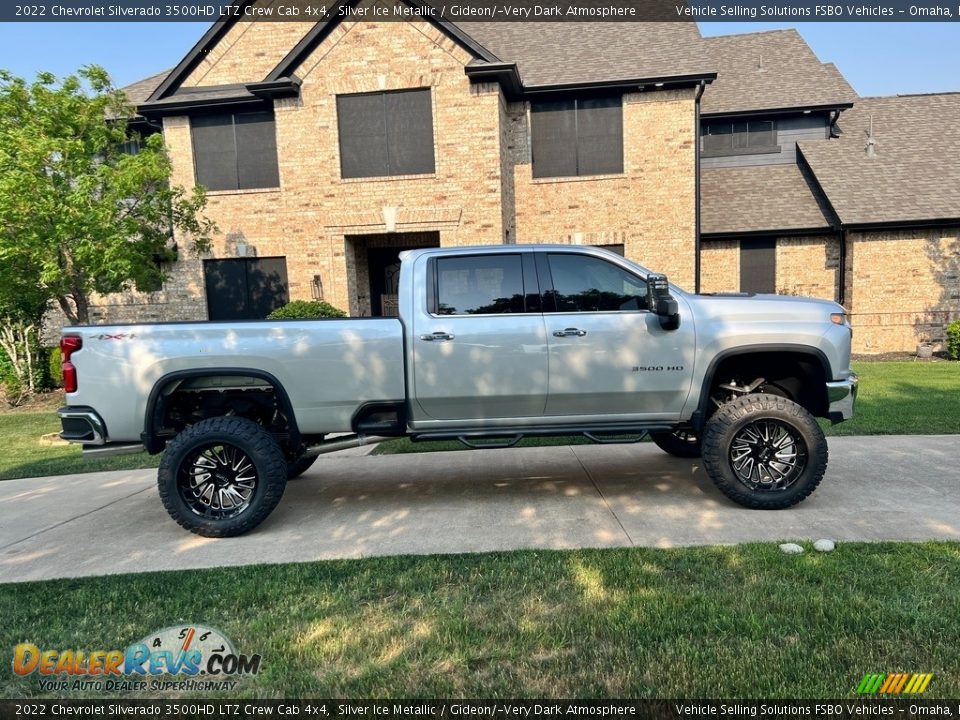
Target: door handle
(437,336)
(568,332)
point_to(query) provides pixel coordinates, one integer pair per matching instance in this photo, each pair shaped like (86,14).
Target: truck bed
(328,367)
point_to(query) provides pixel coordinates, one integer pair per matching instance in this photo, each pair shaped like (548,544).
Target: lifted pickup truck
(492,344)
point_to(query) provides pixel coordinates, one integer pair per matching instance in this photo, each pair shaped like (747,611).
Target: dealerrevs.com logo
(199,657)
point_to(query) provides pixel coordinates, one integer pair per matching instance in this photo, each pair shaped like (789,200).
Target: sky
(877,58)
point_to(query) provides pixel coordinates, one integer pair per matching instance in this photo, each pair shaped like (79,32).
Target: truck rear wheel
(679,443)
(222,477)
(764,452)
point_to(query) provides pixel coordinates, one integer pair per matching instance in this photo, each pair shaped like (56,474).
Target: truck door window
(480,285)
(587,284)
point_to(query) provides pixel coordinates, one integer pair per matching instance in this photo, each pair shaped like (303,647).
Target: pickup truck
(492,344)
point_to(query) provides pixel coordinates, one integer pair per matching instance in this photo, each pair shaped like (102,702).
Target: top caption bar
(482,10)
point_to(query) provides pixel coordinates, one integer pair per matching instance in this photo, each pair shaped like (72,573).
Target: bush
(54,369)
(306,310)
(953,340)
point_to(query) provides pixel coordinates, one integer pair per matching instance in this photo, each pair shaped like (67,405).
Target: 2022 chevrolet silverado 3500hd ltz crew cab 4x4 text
(491,344)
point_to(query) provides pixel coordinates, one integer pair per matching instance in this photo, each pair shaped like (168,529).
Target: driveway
(877,488)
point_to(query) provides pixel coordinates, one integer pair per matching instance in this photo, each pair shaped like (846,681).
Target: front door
(480,350)
(608,353)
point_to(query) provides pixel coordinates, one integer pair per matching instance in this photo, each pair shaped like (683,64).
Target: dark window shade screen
(409,132)
(235,151)
(599,136)
(384,134)
(577,137)
(363,135)
(758,265)
(554,138)
(215,152)
(256,150)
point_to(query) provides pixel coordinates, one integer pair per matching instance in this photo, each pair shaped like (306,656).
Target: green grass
(23,455)
(735,622)
(895,397)
(916,398)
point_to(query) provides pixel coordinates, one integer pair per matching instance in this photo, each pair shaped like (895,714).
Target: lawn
(23,455)
(735,622)
(895,397)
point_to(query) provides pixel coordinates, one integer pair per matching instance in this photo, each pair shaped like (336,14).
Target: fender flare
(150,419)
(699,416)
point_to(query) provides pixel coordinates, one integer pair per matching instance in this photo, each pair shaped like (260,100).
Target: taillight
(69,344)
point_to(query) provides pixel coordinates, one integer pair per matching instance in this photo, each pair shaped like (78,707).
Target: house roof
(567,53)
(914,174)
(139,91)
(772,70)
(759,199)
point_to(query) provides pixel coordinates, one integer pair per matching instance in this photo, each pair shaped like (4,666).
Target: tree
(78,214)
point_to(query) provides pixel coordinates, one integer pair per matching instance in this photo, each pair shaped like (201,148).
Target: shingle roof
(758,199)
(560,53)
(915,172)
(139,91)
(770,70)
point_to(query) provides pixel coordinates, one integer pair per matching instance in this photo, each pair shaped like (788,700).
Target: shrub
(953,340)
(54,369)
(306,310)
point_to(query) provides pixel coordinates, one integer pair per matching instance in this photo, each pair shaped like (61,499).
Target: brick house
(733,163)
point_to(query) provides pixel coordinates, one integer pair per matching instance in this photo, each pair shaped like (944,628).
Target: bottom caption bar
(831,709)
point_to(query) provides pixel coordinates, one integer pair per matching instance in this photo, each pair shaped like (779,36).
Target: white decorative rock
(824,545)
(791,549)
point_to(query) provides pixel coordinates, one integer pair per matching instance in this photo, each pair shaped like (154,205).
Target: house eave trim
(781,232)
(252,95)
(762,112)
(903,224)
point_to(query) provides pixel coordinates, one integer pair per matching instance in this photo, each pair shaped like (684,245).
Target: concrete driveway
(877,488)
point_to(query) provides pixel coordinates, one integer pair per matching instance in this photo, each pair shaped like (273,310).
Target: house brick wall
(309,218)
(719,266)
(248,51)
(905,287)
(649,209)
(806,266)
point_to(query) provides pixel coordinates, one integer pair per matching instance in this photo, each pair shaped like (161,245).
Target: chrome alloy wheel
(217,481)
(768,455)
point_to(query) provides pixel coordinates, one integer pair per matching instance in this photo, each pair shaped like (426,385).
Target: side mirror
(662,303)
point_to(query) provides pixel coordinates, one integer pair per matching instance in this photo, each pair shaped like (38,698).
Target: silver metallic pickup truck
(492,344)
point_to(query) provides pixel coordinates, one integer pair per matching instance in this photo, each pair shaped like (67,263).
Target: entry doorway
(376,262)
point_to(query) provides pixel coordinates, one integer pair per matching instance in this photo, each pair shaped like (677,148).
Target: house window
(480,285)
(746,137)
(385,133)
(577,137)
(235,151)
(758,265)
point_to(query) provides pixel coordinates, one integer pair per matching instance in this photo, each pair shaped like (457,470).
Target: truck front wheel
(222,477)
(764,452)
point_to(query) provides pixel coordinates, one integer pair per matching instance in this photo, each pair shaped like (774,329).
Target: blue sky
(877,58)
